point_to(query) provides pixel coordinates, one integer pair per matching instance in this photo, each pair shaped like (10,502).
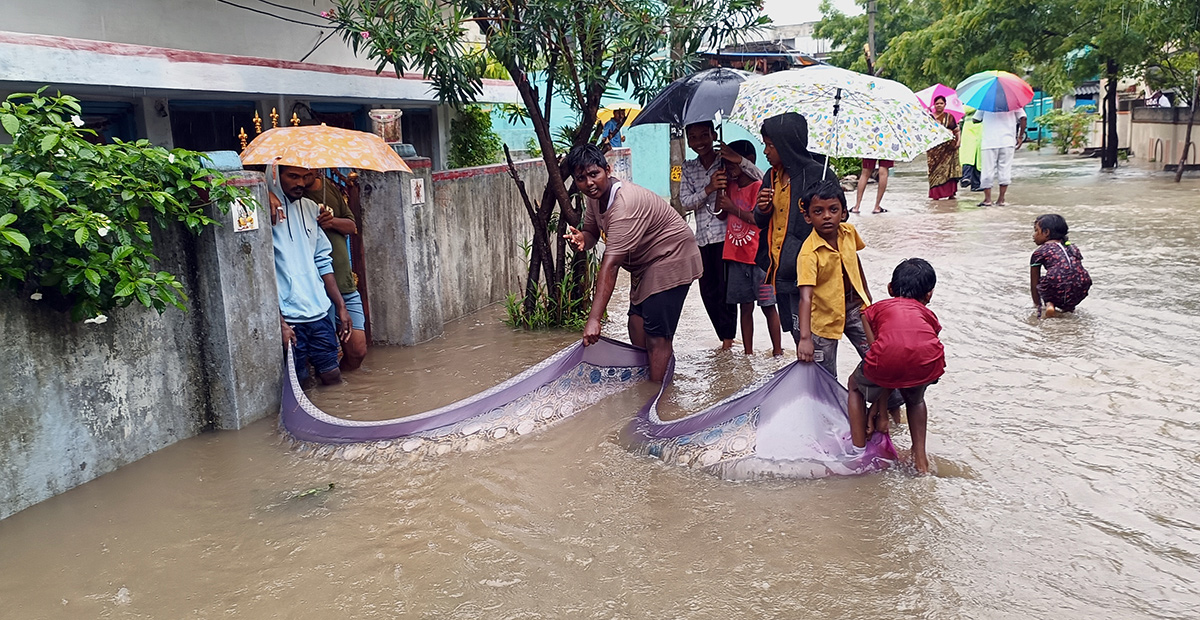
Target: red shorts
(869,164)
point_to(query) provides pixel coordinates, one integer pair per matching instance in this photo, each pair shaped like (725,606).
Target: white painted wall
(198,25)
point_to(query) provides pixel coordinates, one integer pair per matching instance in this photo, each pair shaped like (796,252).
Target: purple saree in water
(794,424)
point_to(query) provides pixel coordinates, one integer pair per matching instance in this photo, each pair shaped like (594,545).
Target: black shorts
(660,311)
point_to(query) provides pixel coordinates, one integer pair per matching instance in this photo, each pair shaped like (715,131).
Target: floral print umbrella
(849,114)
(320,146)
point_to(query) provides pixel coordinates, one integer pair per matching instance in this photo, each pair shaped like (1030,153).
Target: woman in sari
(944,170)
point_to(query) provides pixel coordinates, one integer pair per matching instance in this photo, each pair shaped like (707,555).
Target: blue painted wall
(650,143)
(1040,105)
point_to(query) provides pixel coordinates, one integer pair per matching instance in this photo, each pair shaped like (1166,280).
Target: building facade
(195,73)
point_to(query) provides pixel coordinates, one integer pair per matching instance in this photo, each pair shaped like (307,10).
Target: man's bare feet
(895,414)
(1050,310)
(777,353)
(921,463)
(726,344)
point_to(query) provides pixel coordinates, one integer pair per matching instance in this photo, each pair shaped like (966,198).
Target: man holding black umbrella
(703,181)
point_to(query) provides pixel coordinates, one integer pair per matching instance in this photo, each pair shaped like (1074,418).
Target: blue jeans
(316,343)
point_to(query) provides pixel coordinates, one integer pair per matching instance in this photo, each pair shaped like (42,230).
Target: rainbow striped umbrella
(994,91)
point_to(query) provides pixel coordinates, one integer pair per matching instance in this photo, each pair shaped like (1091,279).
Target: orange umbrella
(321,146)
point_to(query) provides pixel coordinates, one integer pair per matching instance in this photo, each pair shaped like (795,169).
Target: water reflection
(1066,450)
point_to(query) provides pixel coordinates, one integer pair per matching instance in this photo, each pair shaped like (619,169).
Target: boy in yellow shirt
(833,288)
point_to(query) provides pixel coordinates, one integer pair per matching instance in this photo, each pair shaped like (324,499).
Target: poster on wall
(245,216)
(418,191)
(621,168)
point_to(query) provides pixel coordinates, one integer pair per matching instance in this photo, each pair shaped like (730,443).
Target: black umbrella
(693,99)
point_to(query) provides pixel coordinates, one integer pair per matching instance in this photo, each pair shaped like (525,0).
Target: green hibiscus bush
(75,216)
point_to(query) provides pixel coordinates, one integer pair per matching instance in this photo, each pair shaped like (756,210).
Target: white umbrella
(849,114)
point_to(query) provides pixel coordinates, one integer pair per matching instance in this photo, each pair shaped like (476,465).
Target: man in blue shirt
(305,281)
(612,129)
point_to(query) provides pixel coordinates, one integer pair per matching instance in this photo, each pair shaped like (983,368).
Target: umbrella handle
(837,106)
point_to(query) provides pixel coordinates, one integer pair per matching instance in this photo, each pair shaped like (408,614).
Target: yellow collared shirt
(820,266)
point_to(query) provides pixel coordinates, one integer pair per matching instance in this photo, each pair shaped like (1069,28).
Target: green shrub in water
(74,215)
(1070,128)
(567,306)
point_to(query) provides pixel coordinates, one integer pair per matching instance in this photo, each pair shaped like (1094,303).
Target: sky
(785,12)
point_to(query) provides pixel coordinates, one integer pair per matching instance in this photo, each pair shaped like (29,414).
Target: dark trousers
(712,291)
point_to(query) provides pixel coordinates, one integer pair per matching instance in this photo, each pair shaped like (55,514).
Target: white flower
(99,319)
(36,296)
(102,231)
(171,158)
(77,121)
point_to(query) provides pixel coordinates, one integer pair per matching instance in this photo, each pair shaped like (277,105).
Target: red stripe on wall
(174,55)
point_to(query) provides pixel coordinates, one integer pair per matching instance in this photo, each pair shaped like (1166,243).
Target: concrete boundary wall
(81,400)
(482,228)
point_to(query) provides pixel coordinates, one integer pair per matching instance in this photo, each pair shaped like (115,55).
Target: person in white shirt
(1003,133)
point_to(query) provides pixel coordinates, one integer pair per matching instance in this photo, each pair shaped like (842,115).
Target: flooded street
(1067,454)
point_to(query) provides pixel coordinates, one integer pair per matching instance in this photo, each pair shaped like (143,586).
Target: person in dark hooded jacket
(793,170)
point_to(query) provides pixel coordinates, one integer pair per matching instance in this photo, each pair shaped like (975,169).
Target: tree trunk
(1108,157)
(1187,135)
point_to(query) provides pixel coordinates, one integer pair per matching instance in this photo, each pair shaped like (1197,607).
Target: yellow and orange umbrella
(605,114)
(321,146)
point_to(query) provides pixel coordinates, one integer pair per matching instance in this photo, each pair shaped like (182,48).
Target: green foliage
(472,141)
(1056,43)
(531,147)
(849,33)
(1174,65)
(554,51)
(846,166)
(1070,129)
(74,216)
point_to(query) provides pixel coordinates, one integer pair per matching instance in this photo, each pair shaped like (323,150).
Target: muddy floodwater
(1067,454)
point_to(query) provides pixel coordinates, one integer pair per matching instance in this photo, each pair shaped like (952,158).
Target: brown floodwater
(1066,450)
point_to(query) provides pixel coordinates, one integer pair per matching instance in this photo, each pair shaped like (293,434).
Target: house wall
(1157,135)
(81,400)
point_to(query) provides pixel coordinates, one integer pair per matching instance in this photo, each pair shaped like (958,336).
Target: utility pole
(871,37)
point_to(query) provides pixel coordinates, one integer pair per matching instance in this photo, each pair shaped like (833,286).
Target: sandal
(881,210)
(854,210)
(984,204)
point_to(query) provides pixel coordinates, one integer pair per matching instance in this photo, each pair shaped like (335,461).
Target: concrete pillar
(243,351)
(441,140)
(402,258)
(154,121)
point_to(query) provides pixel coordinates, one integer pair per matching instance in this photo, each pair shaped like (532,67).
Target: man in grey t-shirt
(646,237)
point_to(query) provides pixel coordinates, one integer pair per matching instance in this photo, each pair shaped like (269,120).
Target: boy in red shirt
(746,281)
(905,355)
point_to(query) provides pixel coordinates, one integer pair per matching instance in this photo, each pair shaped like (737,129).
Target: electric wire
(319,44)
(291,8)
(269,14)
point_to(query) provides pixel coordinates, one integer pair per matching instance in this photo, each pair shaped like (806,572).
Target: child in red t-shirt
(905,354)
(745,281)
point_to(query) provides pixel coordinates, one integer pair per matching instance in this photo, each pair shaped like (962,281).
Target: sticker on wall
(245,216)
(676,173)
(418,191)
